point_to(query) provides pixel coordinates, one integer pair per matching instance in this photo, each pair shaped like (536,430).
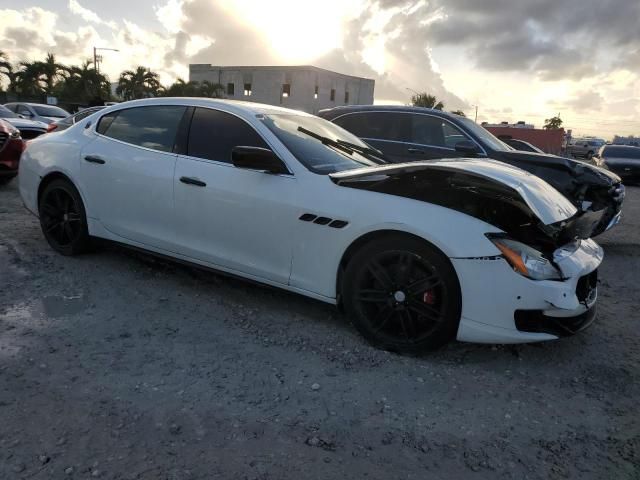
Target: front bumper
(490,308)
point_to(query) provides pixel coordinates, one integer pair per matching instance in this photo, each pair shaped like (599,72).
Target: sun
(297,31)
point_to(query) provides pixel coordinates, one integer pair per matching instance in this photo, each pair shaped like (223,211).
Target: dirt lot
(114,365)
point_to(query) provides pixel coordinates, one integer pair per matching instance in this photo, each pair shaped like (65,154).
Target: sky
(513,59)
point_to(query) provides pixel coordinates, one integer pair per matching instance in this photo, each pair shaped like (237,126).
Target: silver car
(65,123)
(28,128)
(584,147)
(38,111)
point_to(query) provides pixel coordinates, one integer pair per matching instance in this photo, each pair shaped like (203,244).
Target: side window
(22,110)
(13,108)
(214,134)
(428,130)
(389,126)
(83,114)
(150,127)
(105,122)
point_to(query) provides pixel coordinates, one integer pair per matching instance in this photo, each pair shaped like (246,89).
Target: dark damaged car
(407,134)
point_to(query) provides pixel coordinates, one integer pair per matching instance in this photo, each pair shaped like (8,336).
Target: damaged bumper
(514,309)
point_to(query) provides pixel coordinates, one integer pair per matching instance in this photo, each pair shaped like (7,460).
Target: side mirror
(256,158)
(27,114)
(467,147)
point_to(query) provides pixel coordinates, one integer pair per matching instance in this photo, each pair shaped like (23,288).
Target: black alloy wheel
(403,295)
(62,218)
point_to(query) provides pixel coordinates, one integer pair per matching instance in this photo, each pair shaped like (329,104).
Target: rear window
(50,111)
(152,127)
(621,152)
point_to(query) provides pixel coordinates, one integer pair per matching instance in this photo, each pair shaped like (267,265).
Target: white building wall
(267,84)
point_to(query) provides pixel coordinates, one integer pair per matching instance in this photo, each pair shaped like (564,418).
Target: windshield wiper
(364,150)
(346,147)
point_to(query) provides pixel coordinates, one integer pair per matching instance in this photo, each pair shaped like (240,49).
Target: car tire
(63,219)
(402,294)
(589,155)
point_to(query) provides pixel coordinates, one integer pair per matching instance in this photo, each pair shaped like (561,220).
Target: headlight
(525,260)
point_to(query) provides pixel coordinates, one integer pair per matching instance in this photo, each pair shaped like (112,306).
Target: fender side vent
(322,220)
(338,224)
(307,217)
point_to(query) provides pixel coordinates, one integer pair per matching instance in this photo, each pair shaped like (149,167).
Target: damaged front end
(520,204)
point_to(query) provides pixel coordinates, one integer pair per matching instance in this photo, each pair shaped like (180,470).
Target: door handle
(193,181)
(94,159)
(415,151)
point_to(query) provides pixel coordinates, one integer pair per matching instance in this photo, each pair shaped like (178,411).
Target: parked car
(290,200)
(38,111)
(11,146)
(72,119)
(28,128)
(406,134)
(521,145)
(584,147)
(621,159)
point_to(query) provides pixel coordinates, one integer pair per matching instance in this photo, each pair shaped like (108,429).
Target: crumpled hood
(549,205)
(581,171)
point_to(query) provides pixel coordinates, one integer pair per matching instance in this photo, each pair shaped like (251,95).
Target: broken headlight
(525,260)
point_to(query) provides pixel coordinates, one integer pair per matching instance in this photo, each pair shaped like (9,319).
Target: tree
(553,123)
(211,90)
(50,73)
(458,112)
(84,84)
(138,83)
(26,80)
(5,68)
(426,100)
(180,88)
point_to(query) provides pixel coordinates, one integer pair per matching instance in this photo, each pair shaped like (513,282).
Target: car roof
(625,147)
(235,106)
(386,108)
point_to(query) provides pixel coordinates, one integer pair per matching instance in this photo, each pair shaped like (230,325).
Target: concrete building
(302,87)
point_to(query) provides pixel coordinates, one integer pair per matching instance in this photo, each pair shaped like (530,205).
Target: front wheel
(63,219)
(402,295)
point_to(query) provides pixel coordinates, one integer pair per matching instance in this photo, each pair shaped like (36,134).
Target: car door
(389,132)
(127,173)
(238,219)
(434,137)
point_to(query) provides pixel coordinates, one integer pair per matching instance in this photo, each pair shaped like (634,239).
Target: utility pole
(476,120)
(95,56)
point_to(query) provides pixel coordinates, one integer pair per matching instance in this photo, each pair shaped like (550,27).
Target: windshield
(485,135)
(621,152)
(49,111)
(6,113)
(312,153)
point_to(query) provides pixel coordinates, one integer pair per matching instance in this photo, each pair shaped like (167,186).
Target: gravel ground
(118,366)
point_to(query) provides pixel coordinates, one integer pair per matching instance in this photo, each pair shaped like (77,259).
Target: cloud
(88,15)
(549,38)
(584,101)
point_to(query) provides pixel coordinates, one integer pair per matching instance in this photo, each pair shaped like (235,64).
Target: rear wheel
(63,219)
(402,295)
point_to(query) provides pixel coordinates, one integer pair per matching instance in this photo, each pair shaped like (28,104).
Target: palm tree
(180,88)
(138,83)
(6,69)
(50,72)
(26,80)
(426,100)
(211,90)
(84,84)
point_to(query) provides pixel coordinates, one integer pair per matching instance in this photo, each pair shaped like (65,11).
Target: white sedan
(417,254)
